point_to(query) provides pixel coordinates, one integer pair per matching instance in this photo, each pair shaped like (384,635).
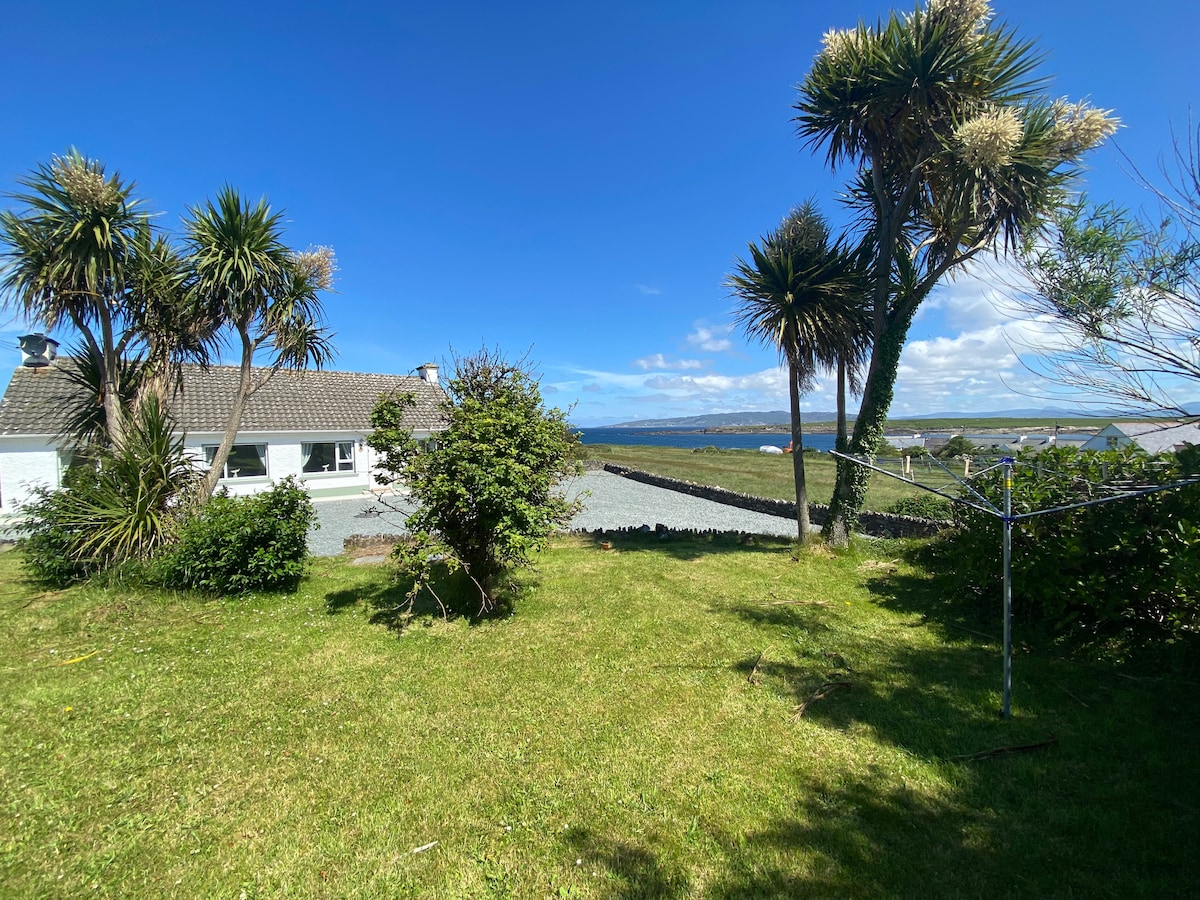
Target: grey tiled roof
(291,401)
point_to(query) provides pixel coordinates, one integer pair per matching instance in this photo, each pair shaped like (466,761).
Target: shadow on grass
(391,601)
(636,873)
(687,546)
(867,838)
(933,698)
(1092,815)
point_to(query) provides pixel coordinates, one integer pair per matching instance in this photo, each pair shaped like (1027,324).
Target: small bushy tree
(234,545)
(955,447)
(486,487)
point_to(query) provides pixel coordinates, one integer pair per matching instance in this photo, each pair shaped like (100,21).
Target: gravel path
(610,502)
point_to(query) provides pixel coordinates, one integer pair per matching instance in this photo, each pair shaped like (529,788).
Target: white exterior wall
(25,464)
(1101,439)
(285,457)
(29,462)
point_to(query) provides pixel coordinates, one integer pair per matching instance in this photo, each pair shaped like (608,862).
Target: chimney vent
(428,373)
(37,350)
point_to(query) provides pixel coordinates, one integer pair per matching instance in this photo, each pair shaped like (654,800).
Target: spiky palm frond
(239,260)
(86,425)
(799,294)
(141,489)
(67,252)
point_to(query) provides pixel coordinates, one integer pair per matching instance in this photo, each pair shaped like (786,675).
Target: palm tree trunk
(236,408)
(840,440)
(110,369)
(802,519)
(878,390)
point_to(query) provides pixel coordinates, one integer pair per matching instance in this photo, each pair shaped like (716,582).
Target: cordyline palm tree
(69,258)
(956,151)
(246,280)
(799,294)
(83,254)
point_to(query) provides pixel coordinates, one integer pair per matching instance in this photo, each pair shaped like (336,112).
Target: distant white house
(1152,437)
(310,424)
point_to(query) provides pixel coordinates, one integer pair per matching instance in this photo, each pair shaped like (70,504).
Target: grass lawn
(607,741)
(750,472)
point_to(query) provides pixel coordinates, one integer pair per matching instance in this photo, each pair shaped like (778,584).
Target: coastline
(903,426)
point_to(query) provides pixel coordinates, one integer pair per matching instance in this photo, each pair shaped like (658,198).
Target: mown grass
(748,471)
(606,741)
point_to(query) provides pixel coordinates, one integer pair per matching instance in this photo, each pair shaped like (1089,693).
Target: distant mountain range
(781,417)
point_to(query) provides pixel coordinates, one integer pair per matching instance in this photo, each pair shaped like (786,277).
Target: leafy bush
(955,447)
(125,507)
(233,545)
(1130,567)
(50,540)
(487,487)
(923,506)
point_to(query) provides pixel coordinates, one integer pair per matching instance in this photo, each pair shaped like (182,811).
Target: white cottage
(1151,437)
(310,424)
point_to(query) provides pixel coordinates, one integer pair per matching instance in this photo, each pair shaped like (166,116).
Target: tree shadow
(392,602)
(635,872)
(686,545)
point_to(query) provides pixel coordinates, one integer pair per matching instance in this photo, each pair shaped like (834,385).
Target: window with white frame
(327,456)
(245,460)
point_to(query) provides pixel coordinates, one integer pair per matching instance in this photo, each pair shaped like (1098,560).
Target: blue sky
(570,179)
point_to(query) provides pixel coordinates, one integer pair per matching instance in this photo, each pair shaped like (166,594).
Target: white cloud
(659,362)
(769,382)
(647,290)
(712,338)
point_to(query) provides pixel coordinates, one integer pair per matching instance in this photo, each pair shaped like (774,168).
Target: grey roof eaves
(33,404)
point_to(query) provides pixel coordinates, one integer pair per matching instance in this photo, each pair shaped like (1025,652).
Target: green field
(631,732)
(748,471)
(992,426)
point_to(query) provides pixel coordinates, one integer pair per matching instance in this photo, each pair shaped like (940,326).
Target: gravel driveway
(610,502)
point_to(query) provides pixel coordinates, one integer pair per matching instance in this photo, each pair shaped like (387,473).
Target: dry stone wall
(872,523)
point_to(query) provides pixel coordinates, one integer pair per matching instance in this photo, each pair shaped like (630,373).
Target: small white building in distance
(310,424)
(1151,437)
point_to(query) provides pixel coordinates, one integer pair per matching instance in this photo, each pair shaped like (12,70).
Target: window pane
(345,461)
(318,457)
(247,461)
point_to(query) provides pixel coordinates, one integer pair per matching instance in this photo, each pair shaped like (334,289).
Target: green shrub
(957,446)
(50,539)
(1131,567)
(125,506)
(487,489)
(234,545)
(923,506)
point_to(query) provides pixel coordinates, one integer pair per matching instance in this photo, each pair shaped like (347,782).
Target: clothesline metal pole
(1006,701)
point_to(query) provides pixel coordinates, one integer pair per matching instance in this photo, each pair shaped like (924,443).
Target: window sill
(317,476)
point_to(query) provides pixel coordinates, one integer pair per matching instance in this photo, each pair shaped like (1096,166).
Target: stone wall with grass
(873,523)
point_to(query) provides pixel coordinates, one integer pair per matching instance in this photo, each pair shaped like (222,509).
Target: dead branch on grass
(1005,751)
(753,677)
(820,693)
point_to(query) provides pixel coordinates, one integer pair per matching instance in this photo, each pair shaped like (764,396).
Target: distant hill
(726,420)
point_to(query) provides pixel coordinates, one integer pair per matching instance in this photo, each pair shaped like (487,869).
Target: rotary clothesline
(978,501)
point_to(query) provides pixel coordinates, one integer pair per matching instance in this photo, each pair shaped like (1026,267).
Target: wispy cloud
(658,362)
(647,290)
(769,382)
(709,337)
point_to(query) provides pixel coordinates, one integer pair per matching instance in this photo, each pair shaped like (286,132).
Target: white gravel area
(610,501)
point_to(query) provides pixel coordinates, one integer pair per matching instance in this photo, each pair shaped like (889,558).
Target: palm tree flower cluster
(953,150)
